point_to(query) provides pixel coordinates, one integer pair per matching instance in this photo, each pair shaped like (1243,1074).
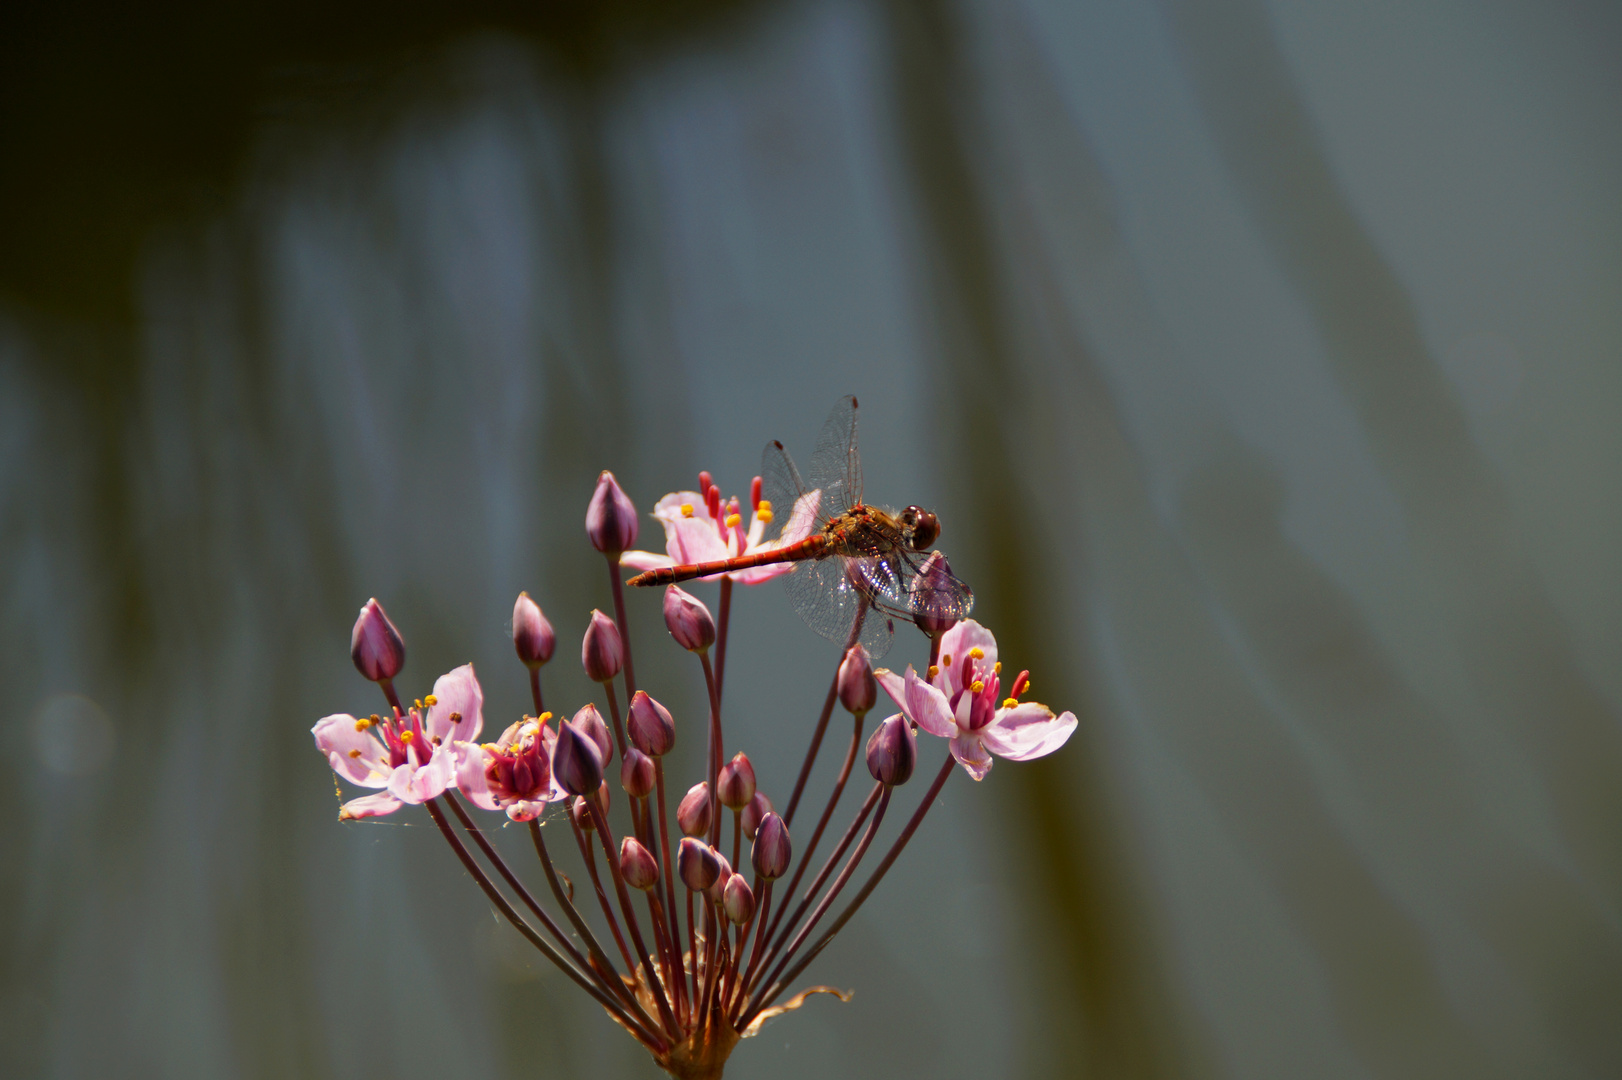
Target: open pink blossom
(959,701)
(514,773)
(412,758)
(700,527)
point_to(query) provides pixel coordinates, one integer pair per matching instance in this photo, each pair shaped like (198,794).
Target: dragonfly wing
(835,466)
(781,485)
(829,601)
(902,590)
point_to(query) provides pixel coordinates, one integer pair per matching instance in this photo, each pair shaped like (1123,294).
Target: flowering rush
(688,942)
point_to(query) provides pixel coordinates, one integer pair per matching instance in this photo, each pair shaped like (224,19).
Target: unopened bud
(693,812)
(375,644)
(533,637)
(698,864)
(758,808)
(601,653)
(936,596)
(736,783)
(720,883)
(738,900)
(610,517)
(688,620)
(577,764)
(580,812)
(892,752)
(637,864)
(772,851)
(636,773)
(588,721)
(652,730)
(858,690)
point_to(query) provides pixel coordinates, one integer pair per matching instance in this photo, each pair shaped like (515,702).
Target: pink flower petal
(456,692)
(895,685)
(369,806)
(470,778)
(972,756)
(928,708)
(668,509)
(694,540)
(958,641)
(419,783)
(645,560)
(525,810)
(355,755)
(1027,731)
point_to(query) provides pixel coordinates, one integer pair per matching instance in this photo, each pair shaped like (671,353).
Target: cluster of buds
(717,942)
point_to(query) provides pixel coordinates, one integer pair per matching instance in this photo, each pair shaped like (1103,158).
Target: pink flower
(701,528)
(514,773)
(412,758)
(959,702)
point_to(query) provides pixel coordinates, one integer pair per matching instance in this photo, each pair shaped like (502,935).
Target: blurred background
(1261,360)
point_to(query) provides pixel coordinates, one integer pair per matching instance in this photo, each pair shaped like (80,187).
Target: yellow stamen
(418,703)
(544,717)
(763,515)
(946,661)
(732,521)
(686,509)
(975,686)
(407,736)
(430,701)
(977,653)
(933,671)
(1009,703)
(362,724)
(766,505)
(996,669)
(456,718)
(354,753)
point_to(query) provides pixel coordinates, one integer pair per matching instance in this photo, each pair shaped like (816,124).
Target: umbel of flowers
(682,944)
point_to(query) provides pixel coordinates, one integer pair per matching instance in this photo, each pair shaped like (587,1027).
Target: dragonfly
(858,567)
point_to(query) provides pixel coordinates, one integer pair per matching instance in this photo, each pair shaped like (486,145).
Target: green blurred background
(1261,361)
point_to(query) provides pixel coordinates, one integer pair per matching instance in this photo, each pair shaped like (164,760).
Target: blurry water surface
(1260,360)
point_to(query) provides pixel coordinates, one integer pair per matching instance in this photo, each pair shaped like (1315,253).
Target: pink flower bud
(601,653)
(610,517)
(688,620)
(693,813)
(736,782)
(892,752)
(577,765)
(934,606)
(772,851)
(858,690)
(636,774)
(698,864)
(375,644)
(738,900)
(758,808)
(637,864)
(720,883)
(588,721)
(580,811)
(533,636)
(652,730)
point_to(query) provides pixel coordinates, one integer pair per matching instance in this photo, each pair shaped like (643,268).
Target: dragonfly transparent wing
(781,485)
(835,466)
(829,600)
(897,585)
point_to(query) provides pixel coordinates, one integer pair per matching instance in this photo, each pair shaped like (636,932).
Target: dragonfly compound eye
(922,527)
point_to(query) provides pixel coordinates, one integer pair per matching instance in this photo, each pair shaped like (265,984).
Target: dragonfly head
(919,528)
